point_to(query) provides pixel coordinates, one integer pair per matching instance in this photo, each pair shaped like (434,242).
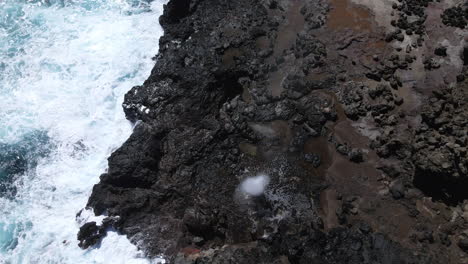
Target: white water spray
(255,186)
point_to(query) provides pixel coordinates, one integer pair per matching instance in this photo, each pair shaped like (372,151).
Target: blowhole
(256,185)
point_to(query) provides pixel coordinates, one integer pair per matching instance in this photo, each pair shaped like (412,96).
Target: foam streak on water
(64,68)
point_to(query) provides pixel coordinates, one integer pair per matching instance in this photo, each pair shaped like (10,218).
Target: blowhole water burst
(65,66)
(256,185)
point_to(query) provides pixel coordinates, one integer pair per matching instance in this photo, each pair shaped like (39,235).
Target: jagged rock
(90,234)
(441,51)
(314,159)
(397,190)
(456,16)
(356,155)
(463,244)
(342,149)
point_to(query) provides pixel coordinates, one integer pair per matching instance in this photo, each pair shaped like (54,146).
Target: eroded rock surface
(356,110)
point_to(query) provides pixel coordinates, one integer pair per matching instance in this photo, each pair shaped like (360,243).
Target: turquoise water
(64,68)
(20,157)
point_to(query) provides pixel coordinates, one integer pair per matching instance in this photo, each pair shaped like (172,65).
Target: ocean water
(65,66)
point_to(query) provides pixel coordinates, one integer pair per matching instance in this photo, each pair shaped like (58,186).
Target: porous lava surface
(355,109)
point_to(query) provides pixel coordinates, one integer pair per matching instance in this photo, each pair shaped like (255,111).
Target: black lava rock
(397,190)
(314,159)
(463,244)
(356,155)
(441,51)
(90,234)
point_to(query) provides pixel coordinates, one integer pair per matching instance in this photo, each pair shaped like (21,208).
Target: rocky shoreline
(356,110)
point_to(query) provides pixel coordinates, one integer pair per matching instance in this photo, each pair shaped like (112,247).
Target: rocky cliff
(356,110)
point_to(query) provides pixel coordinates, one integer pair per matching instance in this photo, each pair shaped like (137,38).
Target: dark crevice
(229,83)
(126,182)
(441,188)
(465,56)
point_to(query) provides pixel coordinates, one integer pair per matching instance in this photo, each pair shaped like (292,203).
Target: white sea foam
(67,75)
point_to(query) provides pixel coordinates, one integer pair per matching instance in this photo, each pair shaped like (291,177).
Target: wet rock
(399,37)
(342,149)
(391,171)
(379,90)
(351,99)
(90,234)
(365,228)
(431,64)
(426,236)
(444,239)
(463,244)
(314,159)
(374,75)
(435,147)
(199,241)
(455,16)
(397,189)
(398,100)
(356,155)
